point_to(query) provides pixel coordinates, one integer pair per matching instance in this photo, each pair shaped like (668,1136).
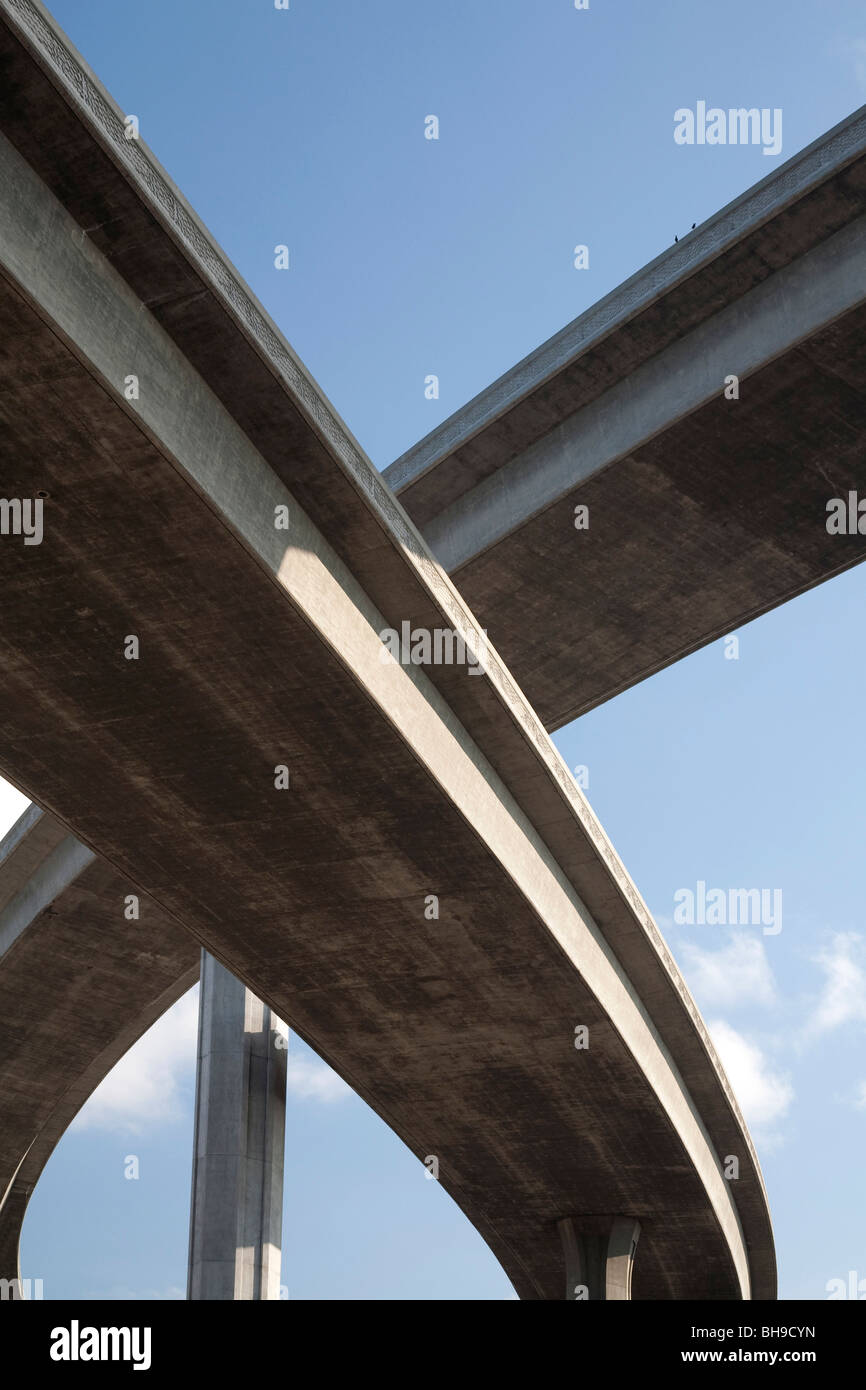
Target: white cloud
(146,1087)
(152,1084)
(764,1095)
(310,1079)
(739,973)
(843,997)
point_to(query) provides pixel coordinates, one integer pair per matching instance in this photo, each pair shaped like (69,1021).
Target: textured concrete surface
(236,1208)
(159,522)
(704,512)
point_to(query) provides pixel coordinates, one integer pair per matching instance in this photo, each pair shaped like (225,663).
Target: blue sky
(454,257)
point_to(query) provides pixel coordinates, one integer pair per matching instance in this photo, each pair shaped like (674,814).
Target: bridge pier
(236,1208)
(599,1256)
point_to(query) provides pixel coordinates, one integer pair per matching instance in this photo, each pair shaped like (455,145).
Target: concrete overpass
(88,965)
(404,783)
(80,982)
(704,511)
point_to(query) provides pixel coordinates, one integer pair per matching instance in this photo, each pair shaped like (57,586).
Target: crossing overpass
(704,509)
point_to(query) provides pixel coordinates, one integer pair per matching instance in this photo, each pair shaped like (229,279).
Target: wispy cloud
(152,1083)
(733,976)
(310,1079)
(843,996)
(764,1094)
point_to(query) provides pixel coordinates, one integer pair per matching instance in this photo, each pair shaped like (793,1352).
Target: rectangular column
(237,1183)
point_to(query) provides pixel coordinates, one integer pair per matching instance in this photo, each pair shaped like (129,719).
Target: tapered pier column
(237,1176)
(599,1256)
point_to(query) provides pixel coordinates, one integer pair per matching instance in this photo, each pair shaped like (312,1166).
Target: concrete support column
(237,1176)
(599,1256)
